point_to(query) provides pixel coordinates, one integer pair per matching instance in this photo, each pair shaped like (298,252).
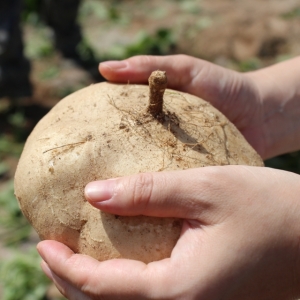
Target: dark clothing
(14,67)
(61,16)
(11,45)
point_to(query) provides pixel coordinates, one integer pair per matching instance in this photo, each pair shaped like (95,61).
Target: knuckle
(142,187)
(175,291)
(146,59)
(211,184)
(213,176)
(183,57)
(142,59)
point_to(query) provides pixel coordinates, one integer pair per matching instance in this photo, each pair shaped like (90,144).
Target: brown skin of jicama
(103,132)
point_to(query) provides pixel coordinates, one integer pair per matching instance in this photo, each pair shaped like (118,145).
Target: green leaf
(3,168)
(22,277)
(15,226)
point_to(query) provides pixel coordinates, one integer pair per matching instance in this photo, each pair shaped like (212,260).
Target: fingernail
(114,64)
(98,191)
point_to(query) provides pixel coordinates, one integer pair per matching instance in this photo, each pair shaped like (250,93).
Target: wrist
(279,95)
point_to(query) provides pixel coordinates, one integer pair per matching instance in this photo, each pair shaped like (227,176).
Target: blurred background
(241,35)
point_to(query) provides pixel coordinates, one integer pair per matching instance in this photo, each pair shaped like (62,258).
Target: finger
(84,272)
(182,194)
(181,69)
(195,76)
(76,274)
(65,288)
(192,272)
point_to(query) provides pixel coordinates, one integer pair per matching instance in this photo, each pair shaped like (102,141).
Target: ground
(241,35)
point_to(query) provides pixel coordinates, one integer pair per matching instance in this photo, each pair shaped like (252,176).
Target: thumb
(162,194)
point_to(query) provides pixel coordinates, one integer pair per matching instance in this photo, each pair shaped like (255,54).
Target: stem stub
(157,85)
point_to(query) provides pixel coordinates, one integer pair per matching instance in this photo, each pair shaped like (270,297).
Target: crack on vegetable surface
(70,146)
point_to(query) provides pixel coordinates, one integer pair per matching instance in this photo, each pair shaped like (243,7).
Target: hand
(240,238)
(264,105)
(231,92)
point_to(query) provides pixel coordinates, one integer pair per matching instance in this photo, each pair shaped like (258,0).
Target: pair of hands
(241,234)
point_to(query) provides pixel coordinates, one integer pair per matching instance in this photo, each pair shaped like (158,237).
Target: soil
(240,35)
(230,33)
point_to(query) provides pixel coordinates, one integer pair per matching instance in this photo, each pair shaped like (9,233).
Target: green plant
(89,8)
(4,168)
(190,6)
(40,45)
(67,90)
(114,13)
(16,119)
(30,11)
(15,227)
(249,65)
(295,13)
(288,162)
(161,43)
(9,146)
(49,73)
(104,10)
(22,277)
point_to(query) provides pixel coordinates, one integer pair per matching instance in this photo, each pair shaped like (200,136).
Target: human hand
(240,238)
(264,105)
(231,92)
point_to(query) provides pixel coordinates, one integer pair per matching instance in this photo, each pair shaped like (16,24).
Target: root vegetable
(109,130)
